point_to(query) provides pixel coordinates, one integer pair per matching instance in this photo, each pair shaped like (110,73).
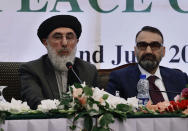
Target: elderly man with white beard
(48,76)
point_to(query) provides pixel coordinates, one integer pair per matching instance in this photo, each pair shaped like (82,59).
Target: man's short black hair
(150,29)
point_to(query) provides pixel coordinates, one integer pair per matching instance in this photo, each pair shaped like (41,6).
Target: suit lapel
(51,79)
(130,80)
(136,77)
(167,83)
(137,73)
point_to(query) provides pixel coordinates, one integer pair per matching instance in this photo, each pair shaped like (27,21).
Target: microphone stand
(76,75)
(69,66)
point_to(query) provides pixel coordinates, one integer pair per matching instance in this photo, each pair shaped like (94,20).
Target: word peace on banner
(76,6)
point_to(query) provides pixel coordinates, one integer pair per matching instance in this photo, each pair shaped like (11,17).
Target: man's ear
(44,42)
(163,51)
(135,51)
(77,41)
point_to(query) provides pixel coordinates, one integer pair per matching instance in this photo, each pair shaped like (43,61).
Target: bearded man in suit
(149,51)
(48,76)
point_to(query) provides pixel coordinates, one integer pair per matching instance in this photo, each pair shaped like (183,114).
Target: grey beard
(59,62)
(148,64)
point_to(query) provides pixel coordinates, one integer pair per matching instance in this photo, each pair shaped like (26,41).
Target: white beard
(59,62)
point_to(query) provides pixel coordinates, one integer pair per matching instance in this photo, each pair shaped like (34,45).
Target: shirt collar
(157,73)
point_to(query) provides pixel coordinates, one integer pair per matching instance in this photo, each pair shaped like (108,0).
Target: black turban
(57,21)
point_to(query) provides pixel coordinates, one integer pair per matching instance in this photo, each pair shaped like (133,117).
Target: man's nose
(64,42)
(148,49)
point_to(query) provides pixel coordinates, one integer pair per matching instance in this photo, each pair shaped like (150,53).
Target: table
(131,124)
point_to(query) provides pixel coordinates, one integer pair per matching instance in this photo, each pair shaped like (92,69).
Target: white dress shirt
(158,82)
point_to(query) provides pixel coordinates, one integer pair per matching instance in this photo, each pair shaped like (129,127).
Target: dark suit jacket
(125,80)
(39,82)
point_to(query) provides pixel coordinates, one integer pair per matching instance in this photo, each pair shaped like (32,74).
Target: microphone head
(69,65)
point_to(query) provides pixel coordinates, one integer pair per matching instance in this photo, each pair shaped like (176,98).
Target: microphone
(70,67)
(173,92)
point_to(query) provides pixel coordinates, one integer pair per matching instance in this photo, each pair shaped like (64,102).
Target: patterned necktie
(155,94)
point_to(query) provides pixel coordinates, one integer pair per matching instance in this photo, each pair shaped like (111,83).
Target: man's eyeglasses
(70,37)
(153,45)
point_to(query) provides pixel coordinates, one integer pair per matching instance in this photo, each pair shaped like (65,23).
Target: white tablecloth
(131,124)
